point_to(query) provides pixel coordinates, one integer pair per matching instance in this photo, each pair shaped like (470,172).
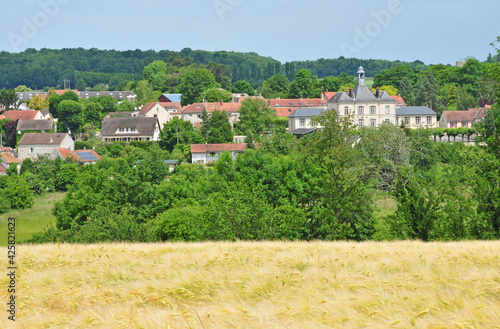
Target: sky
(439,31)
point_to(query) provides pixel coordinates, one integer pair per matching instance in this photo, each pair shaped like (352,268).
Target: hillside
(50,67)
(258,285)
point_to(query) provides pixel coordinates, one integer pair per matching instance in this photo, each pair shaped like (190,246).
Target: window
(361,123)
(212,154)
(387,109)
(361,110)
(417,121)
(373,122)
(407,120)
(313,124)
(346,110)
(429,120)
(373,110)
(387,120)
(302,122)
(32,150)
(397,121)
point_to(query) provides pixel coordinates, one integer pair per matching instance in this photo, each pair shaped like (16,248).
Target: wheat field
(257,285)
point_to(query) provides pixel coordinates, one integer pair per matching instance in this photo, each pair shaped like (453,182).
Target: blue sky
(441,31)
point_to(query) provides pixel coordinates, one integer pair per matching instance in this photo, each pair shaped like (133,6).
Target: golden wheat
(257,285)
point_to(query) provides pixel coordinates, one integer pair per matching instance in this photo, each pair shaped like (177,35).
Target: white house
(130,129)
(206,153)
(33,145)
(416,117)
(301,121)
(164,111)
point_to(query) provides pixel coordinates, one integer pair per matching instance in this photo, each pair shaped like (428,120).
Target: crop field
(257,285)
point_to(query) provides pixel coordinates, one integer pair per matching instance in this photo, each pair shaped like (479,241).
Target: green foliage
(218,128)
(243,87)
(93,113)
(194,81)
(71,116)
(176,132)
(8,98)
(304,86)
(214,95)
(16,191)
(256,116)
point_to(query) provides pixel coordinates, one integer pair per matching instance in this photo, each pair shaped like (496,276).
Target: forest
(38,69)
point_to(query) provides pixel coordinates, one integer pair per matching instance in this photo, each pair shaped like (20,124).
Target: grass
(385,204)
(257,285)
(32,220)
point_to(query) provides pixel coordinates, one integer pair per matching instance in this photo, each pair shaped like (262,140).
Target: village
(40,135)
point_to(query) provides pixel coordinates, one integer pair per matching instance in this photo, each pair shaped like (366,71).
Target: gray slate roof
(34,125)
(341,97)
(145,126)
(414,110)
(42,138)
(385,97)
(363,94)
(307,112)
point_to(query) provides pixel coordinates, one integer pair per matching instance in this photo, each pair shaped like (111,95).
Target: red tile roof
(464,116)
(166,105)
(198,107)
(19,114)
(7,157)
(66,153)
(285,111)
(306,102)
(399,100)
(202,148)
(74,155)
(3,170)
(329,94)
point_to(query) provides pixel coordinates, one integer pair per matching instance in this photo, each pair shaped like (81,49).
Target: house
(33,145)
(192,113)
(118,95)
(165,112)
(207,153)
(130,129)
(366,108)
(455,119)
(399,100)
(3,170)
(170,98)
(23,115)
(34,125)
(80,156)
(301,121)
(416,117)
(8,159)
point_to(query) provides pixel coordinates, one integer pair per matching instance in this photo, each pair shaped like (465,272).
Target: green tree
(17,191)
(406,90)
(343,206)
(71,116)
(213,95)
(276,86)
(256,116)
(193,82)
(304,86)
(219,128)
(156,74)
(176,132)
(427,93)
(93,113)
(8,98)
(22,88)
(222,74)
(243,87)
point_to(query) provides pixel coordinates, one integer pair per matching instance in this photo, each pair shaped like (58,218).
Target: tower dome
(361,76)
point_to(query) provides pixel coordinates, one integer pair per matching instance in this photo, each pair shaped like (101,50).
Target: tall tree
(256,116)
(177,131)
(218,128)
(8,98)
(213,95)
(427,93)
(71,116)
(193,82)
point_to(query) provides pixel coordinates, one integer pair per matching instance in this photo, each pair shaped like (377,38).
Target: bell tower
(361,76)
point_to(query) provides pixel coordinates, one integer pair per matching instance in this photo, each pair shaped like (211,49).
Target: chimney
(351,93)
(377,93)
